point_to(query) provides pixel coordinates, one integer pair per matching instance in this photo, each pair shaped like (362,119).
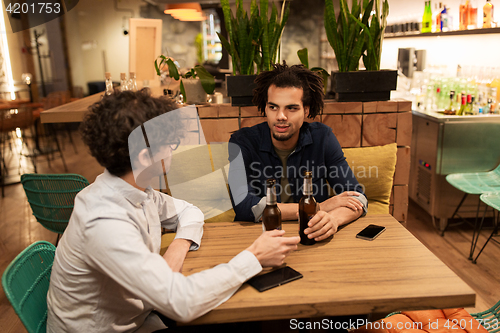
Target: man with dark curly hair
(108,275)
(285,146)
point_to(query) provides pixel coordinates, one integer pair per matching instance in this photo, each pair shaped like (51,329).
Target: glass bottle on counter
(463,105)
(271,216)
(109,83)
(132,82)
(307,209)
(468,108)
(123,82)
(451,106)
(487,14)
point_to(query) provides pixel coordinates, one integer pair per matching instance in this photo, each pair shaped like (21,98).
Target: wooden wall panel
(228,111)
(400,203)
(342,107)
(249,111)
(208,111)
(402,175)
(379,129)
(347,128)
(387,106)
(219,130)
(248,122)
(404,126)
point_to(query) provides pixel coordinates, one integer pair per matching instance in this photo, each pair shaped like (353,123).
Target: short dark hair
(296,76)
(109,122)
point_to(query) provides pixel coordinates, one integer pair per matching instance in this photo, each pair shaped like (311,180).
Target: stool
(491,200)
(474,183)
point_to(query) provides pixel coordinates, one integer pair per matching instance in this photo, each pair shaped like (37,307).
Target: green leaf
(207,79)
(183,92)
(172,69)
(264,6)
(304,57)
(324,74)
(332,33)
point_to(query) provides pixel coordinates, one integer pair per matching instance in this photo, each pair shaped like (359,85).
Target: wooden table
(342,276)
(75,111)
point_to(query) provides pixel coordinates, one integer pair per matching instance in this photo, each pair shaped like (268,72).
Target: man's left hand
(321,226)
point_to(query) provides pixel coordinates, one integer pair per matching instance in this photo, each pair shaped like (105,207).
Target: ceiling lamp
(190,17)
(190,11)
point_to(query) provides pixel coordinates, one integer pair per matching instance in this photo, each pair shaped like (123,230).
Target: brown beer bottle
(307,209)
(271,217)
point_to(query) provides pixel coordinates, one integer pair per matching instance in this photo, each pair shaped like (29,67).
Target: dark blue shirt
(317,150)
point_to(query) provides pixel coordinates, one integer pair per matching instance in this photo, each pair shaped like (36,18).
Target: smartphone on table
(274,278)
(370,232)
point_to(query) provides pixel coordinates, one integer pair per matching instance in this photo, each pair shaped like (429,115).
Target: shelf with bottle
(439,22)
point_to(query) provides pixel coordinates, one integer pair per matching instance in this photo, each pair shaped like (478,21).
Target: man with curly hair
(108,275)
(285,146)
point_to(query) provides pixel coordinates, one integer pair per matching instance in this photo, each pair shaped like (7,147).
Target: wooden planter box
(240,89)
(364,86)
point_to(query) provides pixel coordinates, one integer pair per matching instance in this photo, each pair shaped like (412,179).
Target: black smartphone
(370,232)
(274,278)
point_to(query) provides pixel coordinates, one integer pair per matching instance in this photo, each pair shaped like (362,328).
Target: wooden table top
(343,275)
(75,111)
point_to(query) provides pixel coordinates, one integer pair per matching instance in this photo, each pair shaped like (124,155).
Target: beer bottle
(307,209)
(271,217)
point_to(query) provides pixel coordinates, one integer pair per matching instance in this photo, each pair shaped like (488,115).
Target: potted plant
(353,35)
(253,44)
(303,55)
(198,82)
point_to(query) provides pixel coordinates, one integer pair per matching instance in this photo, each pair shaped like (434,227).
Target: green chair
(491,199)
(52,197)
(26,283)
(490,319)
(474,183)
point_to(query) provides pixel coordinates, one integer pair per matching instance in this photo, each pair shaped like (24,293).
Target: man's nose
(281,115)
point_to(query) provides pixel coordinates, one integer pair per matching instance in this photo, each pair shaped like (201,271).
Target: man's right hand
(271,249)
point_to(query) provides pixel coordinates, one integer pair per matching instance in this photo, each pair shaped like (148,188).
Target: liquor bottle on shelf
(427,18)
(109,83)
(123,82)
(446,21)
(472,14)
(463,15)
(271,217)
(436,21)
(487,14)
(451,106)
(307,209)
(132,82)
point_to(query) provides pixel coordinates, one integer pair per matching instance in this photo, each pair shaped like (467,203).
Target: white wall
(450,51)
(96,40)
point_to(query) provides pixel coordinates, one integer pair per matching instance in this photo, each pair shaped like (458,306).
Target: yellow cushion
(166,239)
(374,168)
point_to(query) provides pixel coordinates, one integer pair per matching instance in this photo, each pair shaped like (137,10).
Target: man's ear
(144,158)
(306,112)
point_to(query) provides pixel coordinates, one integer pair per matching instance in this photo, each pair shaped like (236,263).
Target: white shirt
(108,274)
